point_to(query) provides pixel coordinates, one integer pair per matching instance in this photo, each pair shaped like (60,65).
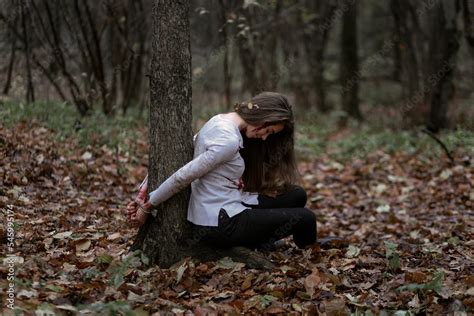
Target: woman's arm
(142,188)
(220,149)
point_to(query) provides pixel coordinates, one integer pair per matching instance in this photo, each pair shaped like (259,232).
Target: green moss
(96,129)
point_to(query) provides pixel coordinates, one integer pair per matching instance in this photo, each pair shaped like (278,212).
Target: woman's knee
(298,196)
(308,216)
(305,233)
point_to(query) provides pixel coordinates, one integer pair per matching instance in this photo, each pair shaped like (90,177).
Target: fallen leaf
(352,251)
(86,156)
(83,245)
(312,281)
(63,235)
(383,208)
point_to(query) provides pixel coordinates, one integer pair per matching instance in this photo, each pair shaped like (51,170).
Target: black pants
(263,224)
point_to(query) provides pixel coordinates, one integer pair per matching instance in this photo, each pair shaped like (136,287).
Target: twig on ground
(432,135)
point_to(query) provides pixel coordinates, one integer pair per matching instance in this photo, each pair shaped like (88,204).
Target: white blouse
(213,173)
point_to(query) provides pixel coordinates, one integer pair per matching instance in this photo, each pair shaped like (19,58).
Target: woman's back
(220,140)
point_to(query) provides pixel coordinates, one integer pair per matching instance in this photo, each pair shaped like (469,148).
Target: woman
(252,147)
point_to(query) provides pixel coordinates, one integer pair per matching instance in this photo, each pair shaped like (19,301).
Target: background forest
(383,97)
(393,63)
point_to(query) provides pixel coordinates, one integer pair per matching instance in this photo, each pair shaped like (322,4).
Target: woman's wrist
(145,207)
(148,205)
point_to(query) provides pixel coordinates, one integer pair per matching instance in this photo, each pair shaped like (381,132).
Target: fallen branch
(432,135)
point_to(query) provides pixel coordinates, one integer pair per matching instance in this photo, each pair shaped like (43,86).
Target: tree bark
(171,135)
(225,44)
(444,45)
(169,237)
(291,40)
(246,42)
(350,75)
(468,15)
(410,48)
(315,42)
(11,64)
(397,39)
(30,90)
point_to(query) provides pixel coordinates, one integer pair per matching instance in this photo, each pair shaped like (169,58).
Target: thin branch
(432,135)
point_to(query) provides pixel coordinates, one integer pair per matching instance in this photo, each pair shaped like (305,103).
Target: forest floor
(408,220)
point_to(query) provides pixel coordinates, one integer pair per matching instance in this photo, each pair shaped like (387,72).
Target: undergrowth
(316,135)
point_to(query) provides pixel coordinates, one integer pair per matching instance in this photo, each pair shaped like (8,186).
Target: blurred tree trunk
(257,46)
(350,75)
(319,22)
(468,15)
(293,54)
(428,42)
(225,44)
(115,52)
(134,33)
(444,45)
(107,105)
(170,129)
(410,49)
(246,42)
(267,59)
(142,28)
(26,29)
(60,53)
(11,64)
(397,39)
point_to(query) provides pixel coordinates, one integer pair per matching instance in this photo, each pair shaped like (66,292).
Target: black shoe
(332,242)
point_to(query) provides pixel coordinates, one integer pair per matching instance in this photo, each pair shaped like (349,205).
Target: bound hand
(137,212)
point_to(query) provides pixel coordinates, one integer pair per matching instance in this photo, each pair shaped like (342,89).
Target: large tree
(428,42)
(349,70)
(319,17)
(444,46)
(170,128)
(168,237)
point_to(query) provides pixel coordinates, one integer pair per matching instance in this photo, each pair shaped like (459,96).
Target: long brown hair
(270,165)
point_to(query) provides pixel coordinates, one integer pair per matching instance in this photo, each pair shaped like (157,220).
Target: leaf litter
(408,221)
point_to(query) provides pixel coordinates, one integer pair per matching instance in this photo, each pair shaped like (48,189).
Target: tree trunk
(320,22)
(291,43)
(246,42)
(168,237)
(409,43)
(30,90)
(467,7)
(11,64)
(444,45)
(350,75)
(397,40)
(171,135)
(225,44)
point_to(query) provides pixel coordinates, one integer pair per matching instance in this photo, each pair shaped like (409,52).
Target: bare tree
(25,25)
(64,41)
(468,14)
(444,45)
(349,69)
(320,17)
(291,39)
(168,237)
(170,128)
(11,63)
(257,45)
